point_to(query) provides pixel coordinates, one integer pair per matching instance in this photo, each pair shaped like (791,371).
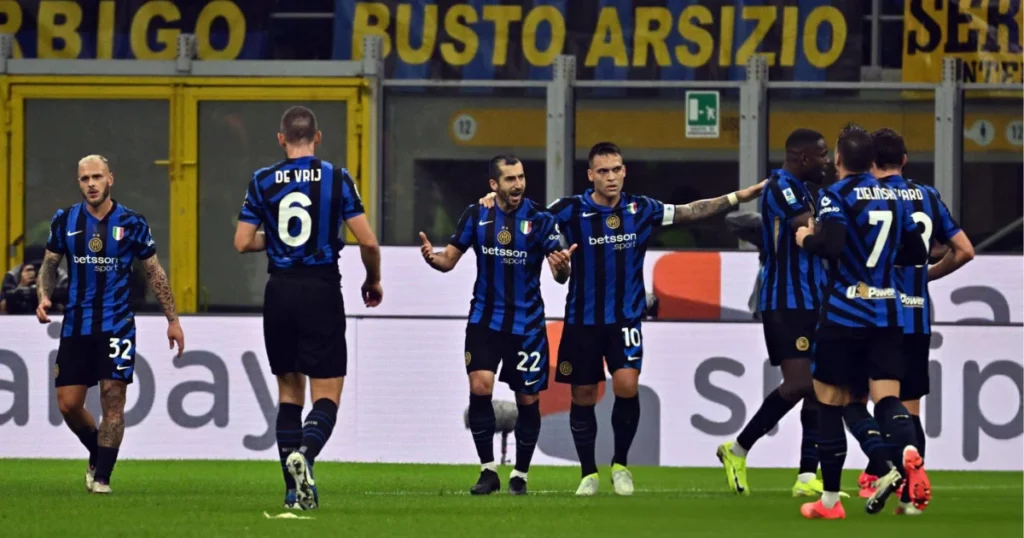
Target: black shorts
(585,349)
(916,381)
(848,357)
(304,326)
(523,357)
(85,360)
(788,334)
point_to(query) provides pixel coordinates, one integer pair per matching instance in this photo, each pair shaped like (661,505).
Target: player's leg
(72,379)
(111,431)
(483,354)
(624,353)
(282,354)
(580,364)
(916,383)
(866,430)
(525,369)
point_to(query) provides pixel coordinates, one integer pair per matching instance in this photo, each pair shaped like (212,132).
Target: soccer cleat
(917,480)
(622,479)
(808,489)
(817,510)
(517,486)
(90,477)
(291,502)
(487,483)
(588,486)
(884,487)
(867,485)
(735,468)
(907,509)
(305,485)
(100,487)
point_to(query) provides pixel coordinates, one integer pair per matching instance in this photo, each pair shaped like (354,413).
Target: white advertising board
(989,289)
(406,393)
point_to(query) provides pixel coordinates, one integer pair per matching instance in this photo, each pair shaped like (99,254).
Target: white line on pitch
(696,491)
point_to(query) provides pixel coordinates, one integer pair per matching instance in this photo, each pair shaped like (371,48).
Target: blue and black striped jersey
(99,254)
(606,285)
(302,204)
(511,250)
(934,221)
(791,277)
(861,290)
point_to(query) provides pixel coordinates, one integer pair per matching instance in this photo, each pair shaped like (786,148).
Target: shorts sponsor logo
(565,368)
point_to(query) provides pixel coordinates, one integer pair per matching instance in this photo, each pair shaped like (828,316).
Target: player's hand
(751,193)
(560,260)
(373,294)
(487,201)
(802,233)
(175,335)
(44,305)
(427,249)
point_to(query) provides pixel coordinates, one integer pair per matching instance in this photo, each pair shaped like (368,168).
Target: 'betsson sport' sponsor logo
(620,241)
(911,301)
(509,256)
(100,263)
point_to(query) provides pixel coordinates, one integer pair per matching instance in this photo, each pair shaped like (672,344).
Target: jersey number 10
(286,211)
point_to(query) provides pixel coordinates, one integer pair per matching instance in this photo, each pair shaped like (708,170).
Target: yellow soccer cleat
(735,468)
(813,488)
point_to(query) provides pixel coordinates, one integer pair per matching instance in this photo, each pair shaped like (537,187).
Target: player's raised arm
(460,241)
(702,209)
(559,258)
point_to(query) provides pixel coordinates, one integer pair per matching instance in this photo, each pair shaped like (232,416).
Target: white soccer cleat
(90,477)
(588,486)
(100,487)
(622,479)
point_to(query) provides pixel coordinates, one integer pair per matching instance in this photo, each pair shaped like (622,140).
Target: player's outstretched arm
(249,239)
(702,209)
(369,251)
(442,261)
(961,251)
(157,279)
(560,264)
(47,281)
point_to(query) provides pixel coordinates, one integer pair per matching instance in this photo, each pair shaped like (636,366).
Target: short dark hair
(298,124)
(494,168)
(856,149)
(801,138)
(602,148)
(889,148)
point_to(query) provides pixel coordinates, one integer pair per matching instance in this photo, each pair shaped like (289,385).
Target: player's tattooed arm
(157,279)
(702,209)
(48,275)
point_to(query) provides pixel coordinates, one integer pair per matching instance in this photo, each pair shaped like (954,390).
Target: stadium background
(413,97)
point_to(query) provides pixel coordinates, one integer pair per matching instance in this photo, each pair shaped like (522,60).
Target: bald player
(101,239)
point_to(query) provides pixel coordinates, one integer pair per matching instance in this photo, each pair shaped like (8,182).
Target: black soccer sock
(771,412)
(527,432)
(106,457)
(831,446)
(289,436)
(865,429)
(317,428)
(481,425)
(90,440)
(921,438)
(809,443)
(625,420)
(895,421)
(583,423)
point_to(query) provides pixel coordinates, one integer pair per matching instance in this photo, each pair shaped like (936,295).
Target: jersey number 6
(286,211)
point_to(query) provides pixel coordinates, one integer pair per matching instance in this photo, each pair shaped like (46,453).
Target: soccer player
(791,279)
(100,238)
(865,231)
(937,227)
(506,314)
(606,300)
(302,202)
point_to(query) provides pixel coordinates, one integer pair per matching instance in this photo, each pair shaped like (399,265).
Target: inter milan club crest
(612,222)
(504,237)
(631,208)
(525,227)
(118,233)
(95,244)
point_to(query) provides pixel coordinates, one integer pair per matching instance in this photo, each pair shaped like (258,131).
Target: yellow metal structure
(183,95)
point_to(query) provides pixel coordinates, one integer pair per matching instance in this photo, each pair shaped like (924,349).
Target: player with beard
(100,238)
(506,315)
(789,299)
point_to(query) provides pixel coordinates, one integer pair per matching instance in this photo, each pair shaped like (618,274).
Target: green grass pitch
(211,499)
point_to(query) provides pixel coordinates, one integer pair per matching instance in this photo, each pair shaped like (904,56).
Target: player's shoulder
(928,190)
(129,216)
(262,173)
(535,211)
(63,212)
